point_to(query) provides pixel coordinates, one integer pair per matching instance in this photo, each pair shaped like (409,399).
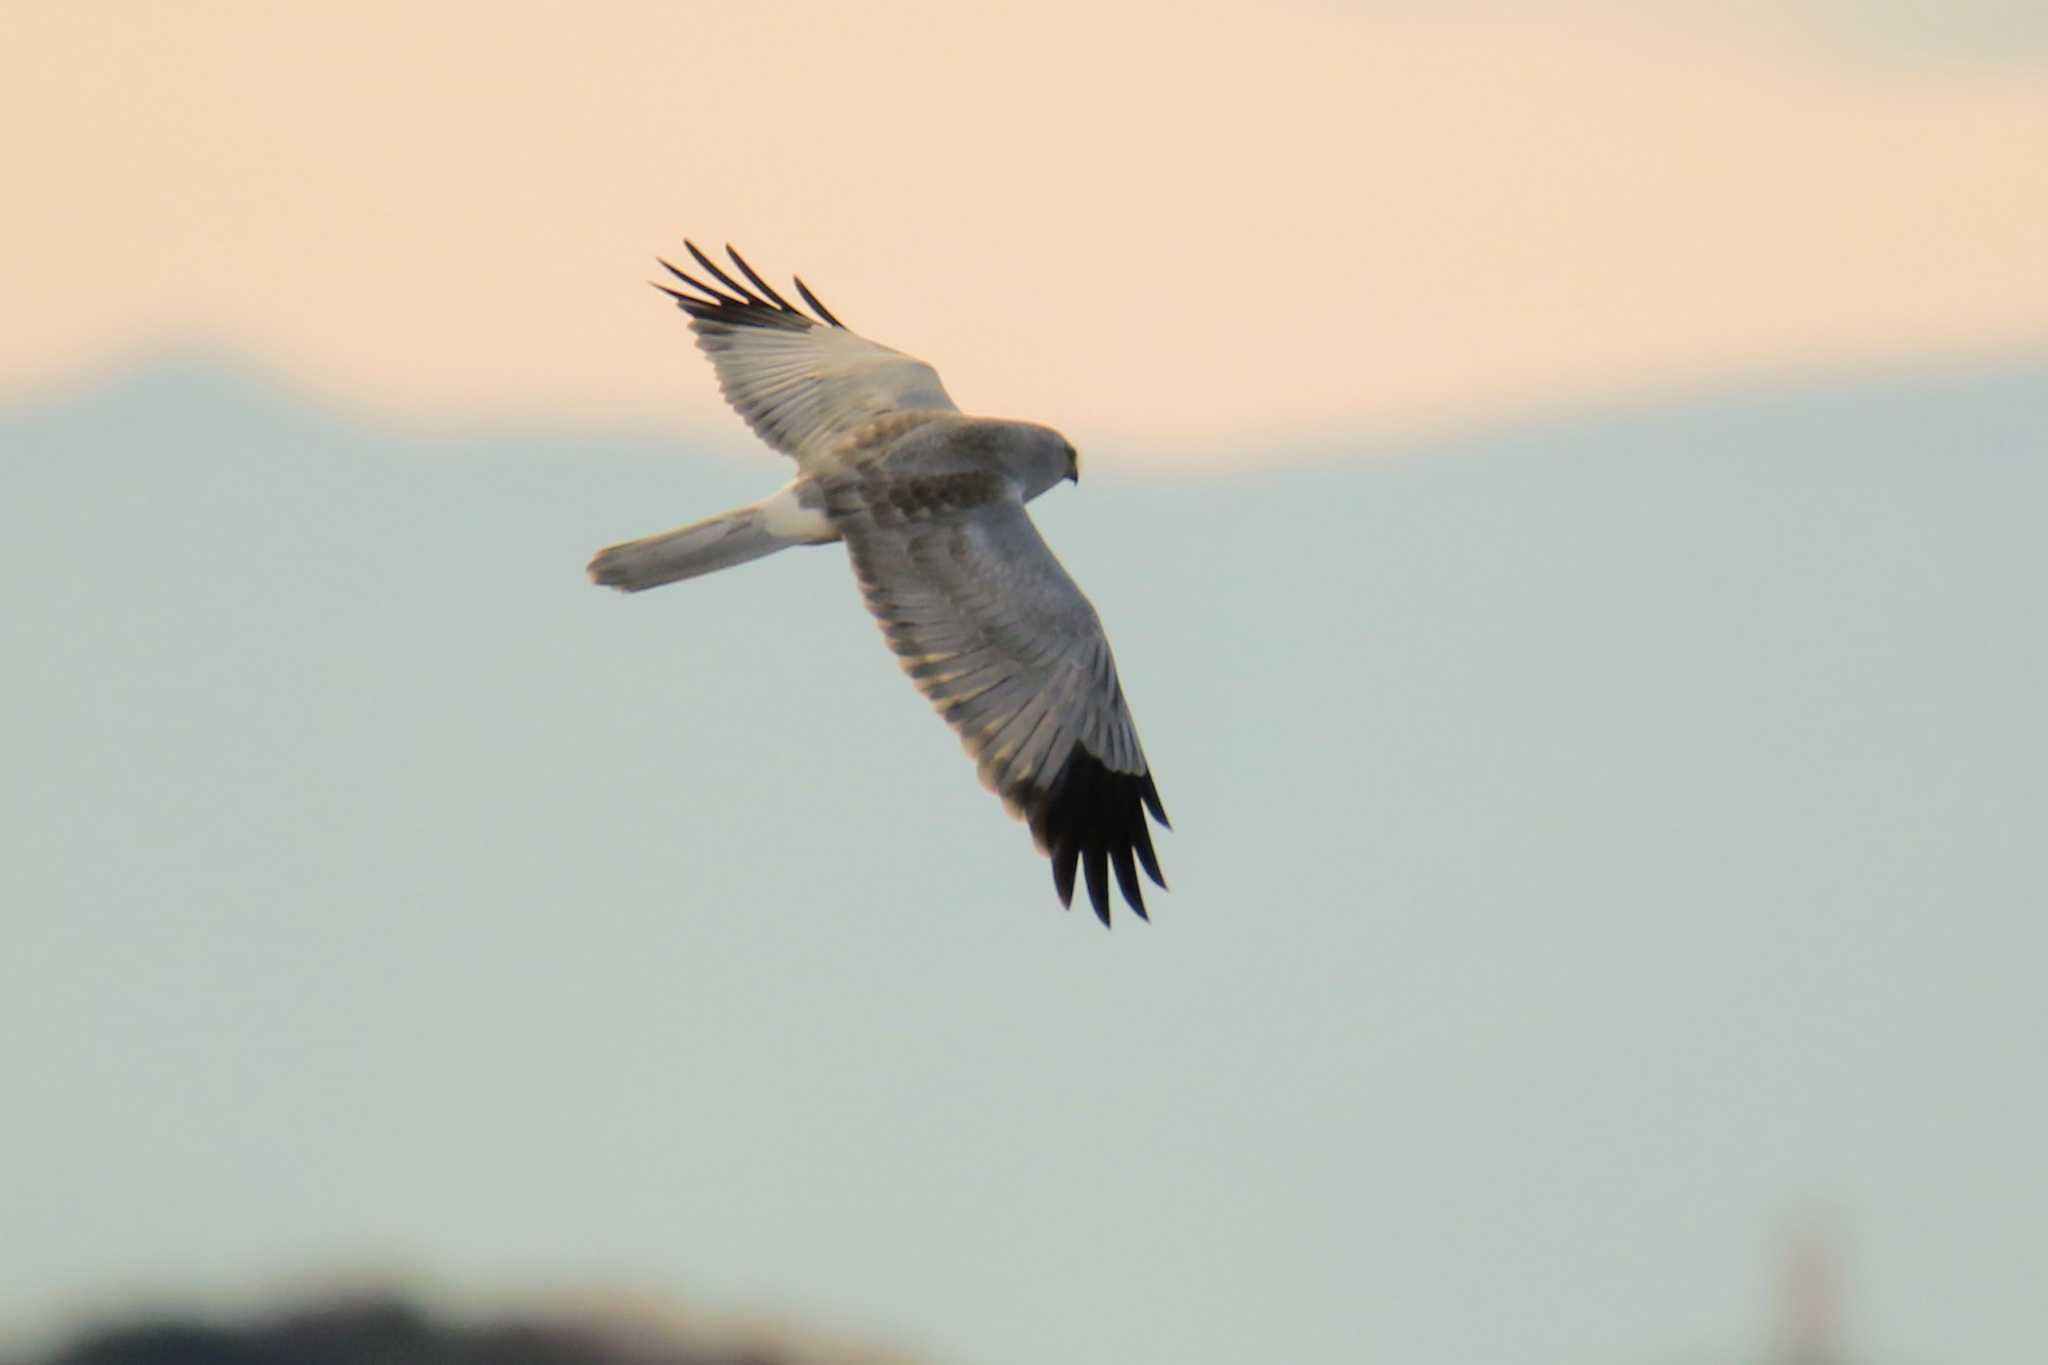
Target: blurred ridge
(386,1330)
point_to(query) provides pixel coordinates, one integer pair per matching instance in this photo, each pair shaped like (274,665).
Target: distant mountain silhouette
(387,1331)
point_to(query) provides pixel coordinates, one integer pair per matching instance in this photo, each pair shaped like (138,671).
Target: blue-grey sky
(1597,848)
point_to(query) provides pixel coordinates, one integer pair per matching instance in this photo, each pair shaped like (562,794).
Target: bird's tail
(715,543)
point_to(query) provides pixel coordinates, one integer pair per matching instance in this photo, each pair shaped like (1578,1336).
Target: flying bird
(929,503)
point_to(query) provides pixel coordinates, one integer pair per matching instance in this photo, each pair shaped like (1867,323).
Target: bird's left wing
(1001,641)
(803,384)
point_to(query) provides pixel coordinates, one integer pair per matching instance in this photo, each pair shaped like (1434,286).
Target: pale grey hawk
(930,504)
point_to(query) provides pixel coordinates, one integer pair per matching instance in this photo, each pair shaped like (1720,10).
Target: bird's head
(1036,456)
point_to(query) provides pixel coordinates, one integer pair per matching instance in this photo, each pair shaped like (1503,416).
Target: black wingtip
(1142,846)
(816,306)
(707,306)
(1064,858)
(1127,879)
(1091,819)
(1095,863)
(746,295)
(729,302)
(1152,803)
(757,281)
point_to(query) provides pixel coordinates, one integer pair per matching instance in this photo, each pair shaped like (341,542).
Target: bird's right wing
(996,635)
(803,384)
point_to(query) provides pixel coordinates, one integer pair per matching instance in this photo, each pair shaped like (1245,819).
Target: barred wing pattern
(998,637)
(803,384)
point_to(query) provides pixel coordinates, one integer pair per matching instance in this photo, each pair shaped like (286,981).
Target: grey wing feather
(1002,642)
(803,385)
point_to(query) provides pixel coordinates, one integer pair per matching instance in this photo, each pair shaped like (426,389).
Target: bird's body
(930,504)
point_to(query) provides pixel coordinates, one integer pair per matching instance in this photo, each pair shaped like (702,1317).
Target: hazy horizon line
(222,364)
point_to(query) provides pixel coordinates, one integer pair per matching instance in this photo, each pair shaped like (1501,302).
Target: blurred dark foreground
(391,1331)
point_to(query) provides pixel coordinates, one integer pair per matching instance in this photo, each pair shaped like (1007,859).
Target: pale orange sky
(1184,232)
